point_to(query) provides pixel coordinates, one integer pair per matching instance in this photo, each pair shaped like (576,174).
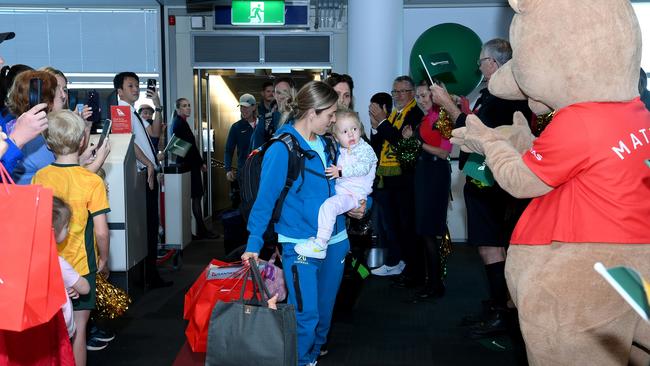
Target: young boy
(85,193)
(74,284)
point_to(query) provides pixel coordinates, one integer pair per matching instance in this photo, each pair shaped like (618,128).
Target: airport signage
(257,13)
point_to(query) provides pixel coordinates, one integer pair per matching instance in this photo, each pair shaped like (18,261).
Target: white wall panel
(83,40)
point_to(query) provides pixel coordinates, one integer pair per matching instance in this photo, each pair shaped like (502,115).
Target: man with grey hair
(491,212)
(394,193)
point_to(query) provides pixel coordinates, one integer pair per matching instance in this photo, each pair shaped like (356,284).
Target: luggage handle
(6,178)
(238,276)
(276,255)
(258,286)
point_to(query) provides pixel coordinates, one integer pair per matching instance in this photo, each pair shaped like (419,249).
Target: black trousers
(153,222)
(397,208)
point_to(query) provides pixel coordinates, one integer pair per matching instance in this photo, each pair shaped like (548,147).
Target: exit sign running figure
(257,13)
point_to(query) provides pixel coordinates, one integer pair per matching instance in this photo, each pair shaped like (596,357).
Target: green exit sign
(255,13)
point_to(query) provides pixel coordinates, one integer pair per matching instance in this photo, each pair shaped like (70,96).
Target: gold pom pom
(112,302)
(445,251)
(443,124)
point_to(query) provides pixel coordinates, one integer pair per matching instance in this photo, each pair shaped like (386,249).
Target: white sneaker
(385,270)
(311,249)
(401,266)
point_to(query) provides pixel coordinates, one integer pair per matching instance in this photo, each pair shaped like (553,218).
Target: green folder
(178,146)
(630,285)
(476,168)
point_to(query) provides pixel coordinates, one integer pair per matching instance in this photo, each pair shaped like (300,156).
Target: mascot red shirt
(596,166)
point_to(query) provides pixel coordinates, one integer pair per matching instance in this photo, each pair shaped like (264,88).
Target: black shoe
(427,294)
(159,283)
(473,320)
(100,334)
(487,313)
(206,235)
(323,351)
(403,281)
(93,344)
(497,325)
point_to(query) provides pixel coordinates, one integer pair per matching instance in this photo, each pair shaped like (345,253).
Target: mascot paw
(474,136)
(518,134)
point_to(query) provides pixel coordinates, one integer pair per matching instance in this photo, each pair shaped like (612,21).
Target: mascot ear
(503,84)
(522,6)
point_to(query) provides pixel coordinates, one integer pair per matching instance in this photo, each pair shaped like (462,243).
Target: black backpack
(249,179)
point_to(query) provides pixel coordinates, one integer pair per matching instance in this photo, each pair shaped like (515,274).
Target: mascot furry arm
(503,148)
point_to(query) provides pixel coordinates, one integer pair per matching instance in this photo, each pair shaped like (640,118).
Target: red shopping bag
(47,344)
(31,286)
(201,298)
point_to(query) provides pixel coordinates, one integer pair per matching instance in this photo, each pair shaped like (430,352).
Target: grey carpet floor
(380,329)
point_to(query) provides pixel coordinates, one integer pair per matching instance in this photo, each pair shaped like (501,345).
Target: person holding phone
(17,104)
(7,76)
(35,153)
(127,86)
(28,127)
(153,116)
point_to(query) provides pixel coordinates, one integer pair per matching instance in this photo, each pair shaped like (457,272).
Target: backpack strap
(330,148)
(296,167)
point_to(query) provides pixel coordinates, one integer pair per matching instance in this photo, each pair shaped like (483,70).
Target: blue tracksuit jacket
(312,283)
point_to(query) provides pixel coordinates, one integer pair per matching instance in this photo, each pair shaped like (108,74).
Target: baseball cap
(145,106)
(247,100)
(7,36)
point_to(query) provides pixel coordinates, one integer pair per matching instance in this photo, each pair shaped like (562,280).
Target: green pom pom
(408,151)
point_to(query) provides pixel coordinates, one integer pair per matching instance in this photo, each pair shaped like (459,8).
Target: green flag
(630,285)
(437,63)
(178,146)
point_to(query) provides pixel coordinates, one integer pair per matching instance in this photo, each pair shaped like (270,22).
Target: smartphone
(35,86)
(92,100)
(106,129)
(151,85)
(79,108)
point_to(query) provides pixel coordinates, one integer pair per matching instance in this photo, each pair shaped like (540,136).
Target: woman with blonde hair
(312,283)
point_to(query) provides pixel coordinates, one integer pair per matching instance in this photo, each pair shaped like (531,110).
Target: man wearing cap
(239,138)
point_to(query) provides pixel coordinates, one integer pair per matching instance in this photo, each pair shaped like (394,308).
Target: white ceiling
(150,3)
(156,3)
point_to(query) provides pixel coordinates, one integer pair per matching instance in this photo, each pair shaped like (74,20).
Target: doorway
(217,93)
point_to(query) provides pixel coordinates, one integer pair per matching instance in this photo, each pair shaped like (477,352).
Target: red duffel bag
(204,294)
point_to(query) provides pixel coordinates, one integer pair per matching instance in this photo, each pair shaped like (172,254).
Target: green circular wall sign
(459,42)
